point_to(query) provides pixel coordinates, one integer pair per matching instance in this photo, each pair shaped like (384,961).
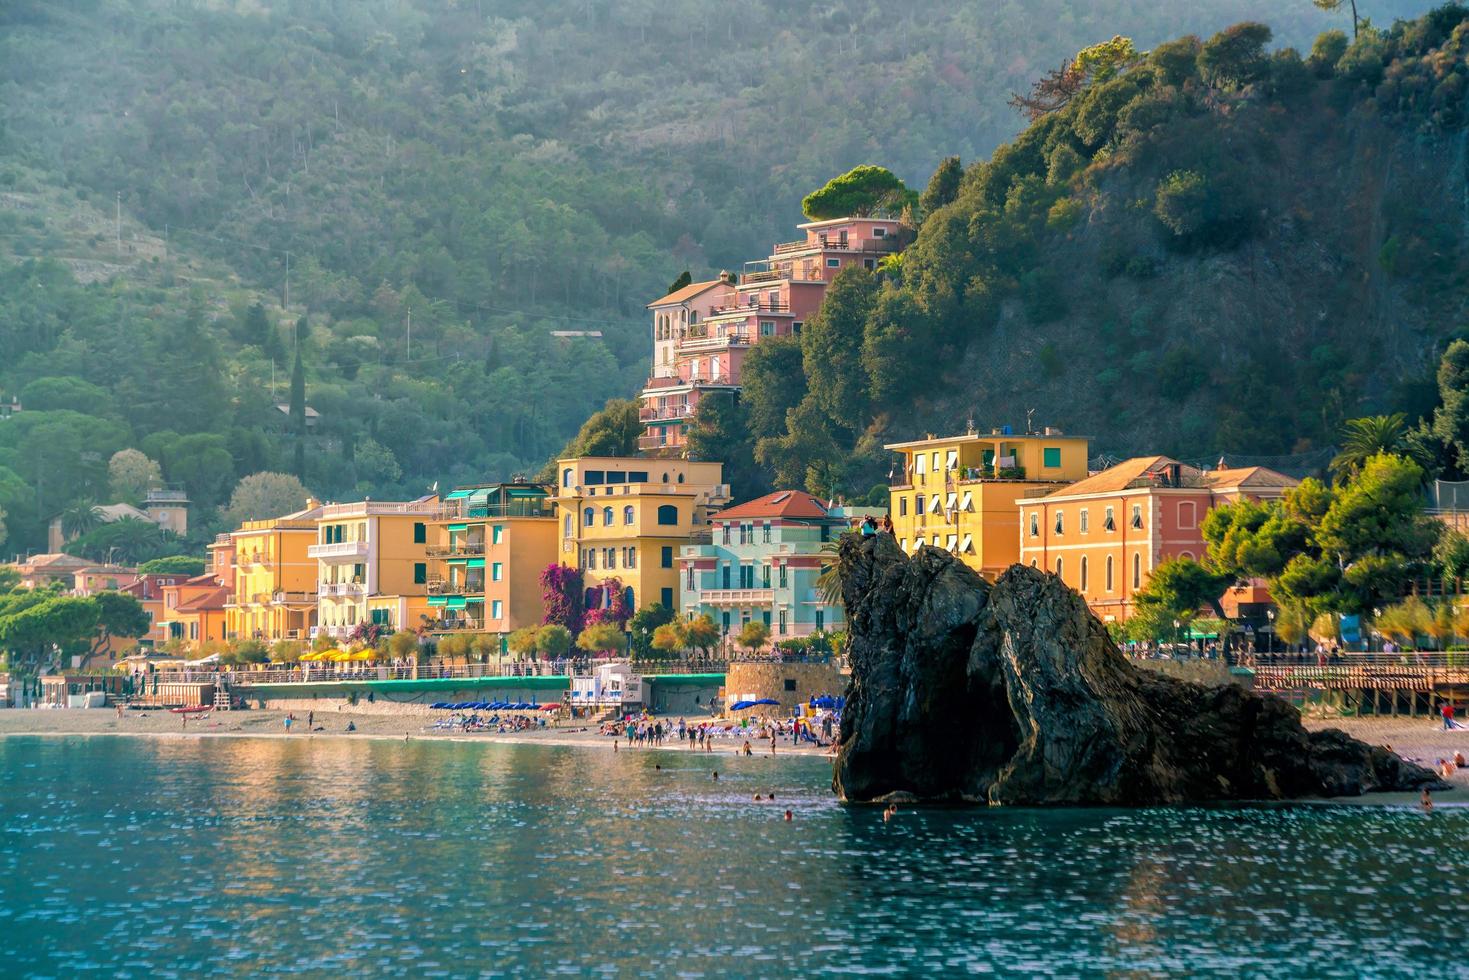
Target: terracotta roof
(1249,477)
(1116,478)
(688,292)
(782,503)
(205,601)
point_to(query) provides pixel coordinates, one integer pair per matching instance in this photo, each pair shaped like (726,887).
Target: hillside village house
(760,561)
(169,509)
(148,590)
(490,543)
(195,610)
(274,586)
(626,518)
(372,565)
(702,332)
(959,493)
(1105,534)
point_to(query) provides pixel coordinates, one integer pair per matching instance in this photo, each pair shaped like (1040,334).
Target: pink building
(702,331)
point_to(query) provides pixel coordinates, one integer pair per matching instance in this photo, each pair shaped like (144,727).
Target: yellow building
(274,579)
(491,543)
(627,517)
(372,565)
(960,493)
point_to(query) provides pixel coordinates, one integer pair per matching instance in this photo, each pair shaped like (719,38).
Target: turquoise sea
(248,857)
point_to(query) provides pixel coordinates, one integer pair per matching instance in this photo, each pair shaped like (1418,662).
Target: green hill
(435,187)
(1224,247)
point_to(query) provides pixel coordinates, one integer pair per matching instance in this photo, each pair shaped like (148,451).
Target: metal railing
(459,548)
(468,587)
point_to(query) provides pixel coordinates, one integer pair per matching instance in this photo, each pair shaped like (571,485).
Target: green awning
(476,563)
(459,527)
(525,492)
(459,494)
(454,602)
(436,600)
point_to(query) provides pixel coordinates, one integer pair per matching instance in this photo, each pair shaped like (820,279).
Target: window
(616,476)
(726,534)
(1188,514)
(724,576)
(781,624)
(879,232)
(606,516)
(1137,571)
(821,619)
(591,559)
(1059,568)
(689,578)
(637,476)
(1084,571)
(497,609)
(1035,525)
(632,557)
(665,596)
(1109,573)
(869,264)
(724,622)
(1108,523)
(918,504)
(668,515)
(833,263)
(1060,522)
(497,572)
(566,478)
(420,532)
(920,463)
(1051,457)
(666,559)
(1083,521)
(609,557)
(627,514)
(593,478)
(589,516)
(420,573)
(1137,515)
(782,576)
(796,327)
(566,526)
(902,506)
(765,533)
(1186,555)
(767,328)
(790,683)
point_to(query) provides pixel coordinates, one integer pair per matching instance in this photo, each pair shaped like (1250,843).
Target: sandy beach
(1418,740)
(271,724)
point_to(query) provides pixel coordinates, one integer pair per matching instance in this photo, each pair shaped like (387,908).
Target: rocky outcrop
(1013,693)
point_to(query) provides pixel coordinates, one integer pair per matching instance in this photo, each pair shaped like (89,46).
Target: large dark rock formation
(1015,694)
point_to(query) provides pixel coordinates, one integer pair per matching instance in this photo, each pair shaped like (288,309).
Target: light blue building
(761,563)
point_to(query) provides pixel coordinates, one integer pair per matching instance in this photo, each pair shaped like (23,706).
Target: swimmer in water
(716,775)
(1426,800)
(788,816)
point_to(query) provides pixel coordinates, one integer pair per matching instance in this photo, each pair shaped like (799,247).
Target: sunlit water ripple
(142,858)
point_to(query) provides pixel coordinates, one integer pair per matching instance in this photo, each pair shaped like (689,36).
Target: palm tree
(80,518)
(1367,437)
(829,582)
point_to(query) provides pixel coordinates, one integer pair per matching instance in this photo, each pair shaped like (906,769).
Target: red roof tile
(783,503)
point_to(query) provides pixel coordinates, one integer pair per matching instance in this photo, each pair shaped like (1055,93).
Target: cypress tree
(298,414)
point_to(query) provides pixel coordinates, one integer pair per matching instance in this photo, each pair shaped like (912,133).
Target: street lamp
(1270,615)
(1177,626)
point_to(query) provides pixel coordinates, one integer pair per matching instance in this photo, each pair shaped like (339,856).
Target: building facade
(626,518)
(959,493)
(195,611)
(1104,535)
(274,586)
(702,332)
(372,565)
(759,563)
(490,544)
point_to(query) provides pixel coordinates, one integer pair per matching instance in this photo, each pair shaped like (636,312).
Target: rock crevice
(1013,693)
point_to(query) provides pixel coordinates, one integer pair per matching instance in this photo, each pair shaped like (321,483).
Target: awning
(454,602)
(919,542)
(933,504)
(949,501)
(966,503)
(950,542)
(458,494)
(966,544)
(476,563)
(436,600)
(459,527)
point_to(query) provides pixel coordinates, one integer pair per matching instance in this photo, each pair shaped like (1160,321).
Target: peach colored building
(1104,535)
(702,332)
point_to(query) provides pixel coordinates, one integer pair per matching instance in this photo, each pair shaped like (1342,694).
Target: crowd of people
(644,731)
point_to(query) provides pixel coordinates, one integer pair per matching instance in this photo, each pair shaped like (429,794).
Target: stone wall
(356,701)
(789,683)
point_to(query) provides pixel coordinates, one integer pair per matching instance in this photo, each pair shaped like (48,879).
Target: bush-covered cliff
(1214,246)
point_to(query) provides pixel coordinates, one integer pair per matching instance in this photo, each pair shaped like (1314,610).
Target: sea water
(243,857)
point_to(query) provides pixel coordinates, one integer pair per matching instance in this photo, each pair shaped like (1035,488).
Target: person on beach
(1459,762)
(1448,715)
(1426,800)
(746,749)
(288,720)
(310,720)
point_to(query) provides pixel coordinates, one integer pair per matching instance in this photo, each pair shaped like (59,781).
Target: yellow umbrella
(363,655)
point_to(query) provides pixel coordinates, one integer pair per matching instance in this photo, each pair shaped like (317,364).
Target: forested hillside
(413,194)
(1218,245)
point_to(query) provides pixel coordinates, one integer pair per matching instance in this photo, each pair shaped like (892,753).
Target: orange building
(194,610)
(148,590)
(1104,535)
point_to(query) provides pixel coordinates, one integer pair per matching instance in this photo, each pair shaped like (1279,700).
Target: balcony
(467,587)
(459,549)
(767,275)
(653,444)
(464,625)
(737,597)
(795,246)
(338,551)
(746,309)
(340,589)
(458,510)
(665,413)
(699,345)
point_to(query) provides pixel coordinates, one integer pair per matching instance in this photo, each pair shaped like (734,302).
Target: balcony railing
(759,306)
(650,444)
(700,344)
(459,511)
(665,412)
(791,246)
(736,597)
(338,551)
(468,549)
(468,587)
(464,625)
(330,589)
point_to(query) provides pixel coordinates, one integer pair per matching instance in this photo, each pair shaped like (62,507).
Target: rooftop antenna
(1029,427)
(969,425)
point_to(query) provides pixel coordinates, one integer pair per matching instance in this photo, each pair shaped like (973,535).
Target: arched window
(680,478)
(589,516)
(566,478)
(668,515)
(606,516)
(627,514)
(1188,514)
(1060,522)
(1058,568)
(1186,555)
(1137,571)
(1109,573)
(665,477)
(1083,572)
(1033,563)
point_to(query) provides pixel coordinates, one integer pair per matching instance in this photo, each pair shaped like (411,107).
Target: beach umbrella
(765,701)
(741,705)
(549,707)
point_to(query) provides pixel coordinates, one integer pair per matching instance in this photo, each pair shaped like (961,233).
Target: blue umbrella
(765,701)
(741,705)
